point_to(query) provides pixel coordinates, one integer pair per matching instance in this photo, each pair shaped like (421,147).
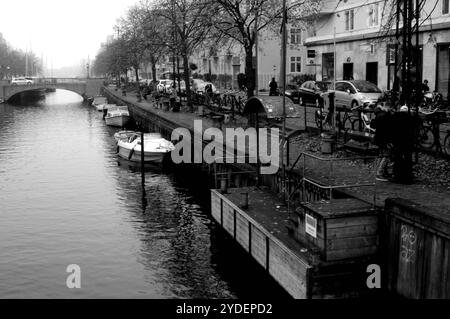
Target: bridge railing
(58,81)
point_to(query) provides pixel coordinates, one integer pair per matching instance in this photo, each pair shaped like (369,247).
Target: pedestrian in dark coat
(383,139)
(273,87)
(404,136)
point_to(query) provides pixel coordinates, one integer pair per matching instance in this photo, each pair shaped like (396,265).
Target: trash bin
(327,143)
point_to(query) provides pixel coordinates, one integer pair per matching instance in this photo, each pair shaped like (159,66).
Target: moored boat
(117,116)
(155,148)
(99,100)
(102,107)
(127,134)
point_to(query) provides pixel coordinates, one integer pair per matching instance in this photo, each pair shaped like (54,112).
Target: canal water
(65,199)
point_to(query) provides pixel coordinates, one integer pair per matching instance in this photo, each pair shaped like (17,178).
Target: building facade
(356,32)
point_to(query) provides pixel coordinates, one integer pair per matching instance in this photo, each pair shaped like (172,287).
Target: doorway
(348,71)
(372,72)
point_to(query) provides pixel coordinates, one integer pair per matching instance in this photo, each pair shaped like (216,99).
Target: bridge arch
(9,91)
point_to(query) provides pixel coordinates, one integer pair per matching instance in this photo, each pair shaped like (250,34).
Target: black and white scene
(225,150)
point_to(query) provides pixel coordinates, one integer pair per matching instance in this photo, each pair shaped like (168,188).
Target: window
(296,64)
(443,70)
(373,15)
(445,6)
(340,87)
(349,20)
(347,87)
(296,36)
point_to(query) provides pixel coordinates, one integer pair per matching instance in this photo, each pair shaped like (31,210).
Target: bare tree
(155,29)
(191,23)
(240,20)
(134,35)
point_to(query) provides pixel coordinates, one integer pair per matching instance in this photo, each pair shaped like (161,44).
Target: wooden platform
(261,230)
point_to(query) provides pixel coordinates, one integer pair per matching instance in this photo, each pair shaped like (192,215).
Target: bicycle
(323,120)
(362,121)
(446,146)
(429,134)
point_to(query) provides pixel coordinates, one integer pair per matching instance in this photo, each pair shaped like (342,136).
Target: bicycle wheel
(447,144)
(426,137)
(357,124)
(346,122)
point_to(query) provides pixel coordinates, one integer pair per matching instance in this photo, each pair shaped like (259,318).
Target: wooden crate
(340,229)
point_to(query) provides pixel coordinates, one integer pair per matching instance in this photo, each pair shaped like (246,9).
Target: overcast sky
(64,31)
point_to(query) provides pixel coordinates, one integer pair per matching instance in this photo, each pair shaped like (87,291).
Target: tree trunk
(138,87)
(136,72)
(154,71)
(187,82)
(249,71)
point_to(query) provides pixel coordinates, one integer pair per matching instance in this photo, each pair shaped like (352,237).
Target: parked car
(22,81)
(311,92)
(163,85)
(199,85)
(293,93)
(350,94)
(144,81)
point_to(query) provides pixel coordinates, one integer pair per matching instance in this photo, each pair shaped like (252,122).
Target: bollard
(223,186)
(244,204)
(331,109)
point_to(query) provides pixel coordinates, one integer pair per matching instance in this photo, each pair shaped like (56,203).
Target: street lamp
(333,118)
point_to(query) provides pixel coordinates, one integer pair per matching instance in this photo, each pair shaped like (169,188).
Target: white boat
(99,100)
(101,107)
(154,148)
(117,116)
(126,135)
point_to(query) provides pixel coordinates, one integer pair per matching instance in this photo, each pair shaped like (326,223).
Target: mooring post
(142,152)
(244,203)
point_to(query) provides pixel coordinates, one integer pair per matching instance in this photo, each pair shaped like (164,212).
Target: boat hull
(149,157)
(119,121)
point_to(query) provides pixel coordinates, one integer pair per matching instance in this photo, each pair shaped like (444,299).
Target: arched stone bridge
(84,87)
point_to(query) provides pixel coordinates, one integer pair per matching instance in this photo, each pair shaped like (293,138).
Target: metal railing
(328,174)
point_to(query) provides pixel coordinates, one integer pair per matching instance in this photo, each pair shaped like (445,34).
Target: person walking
(382,126)
(273,88)
(424,87)
(173,97)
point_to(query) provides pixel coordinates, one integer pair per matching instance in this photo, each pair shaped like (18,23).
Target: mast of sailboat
(26,62)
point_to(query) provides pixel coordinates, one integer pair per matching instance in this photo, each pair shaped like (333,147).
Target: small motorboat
(117,116)
(155,148)
(102,107)
(99,100)
(126,135)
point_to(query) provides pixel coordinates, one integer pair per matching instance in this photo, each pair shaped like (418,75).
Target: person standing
(273,88)
(405,127)
(382,126)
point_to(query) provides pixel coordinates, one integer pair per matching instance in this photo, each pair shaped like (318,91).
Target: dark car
(293,93)
(311,92)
